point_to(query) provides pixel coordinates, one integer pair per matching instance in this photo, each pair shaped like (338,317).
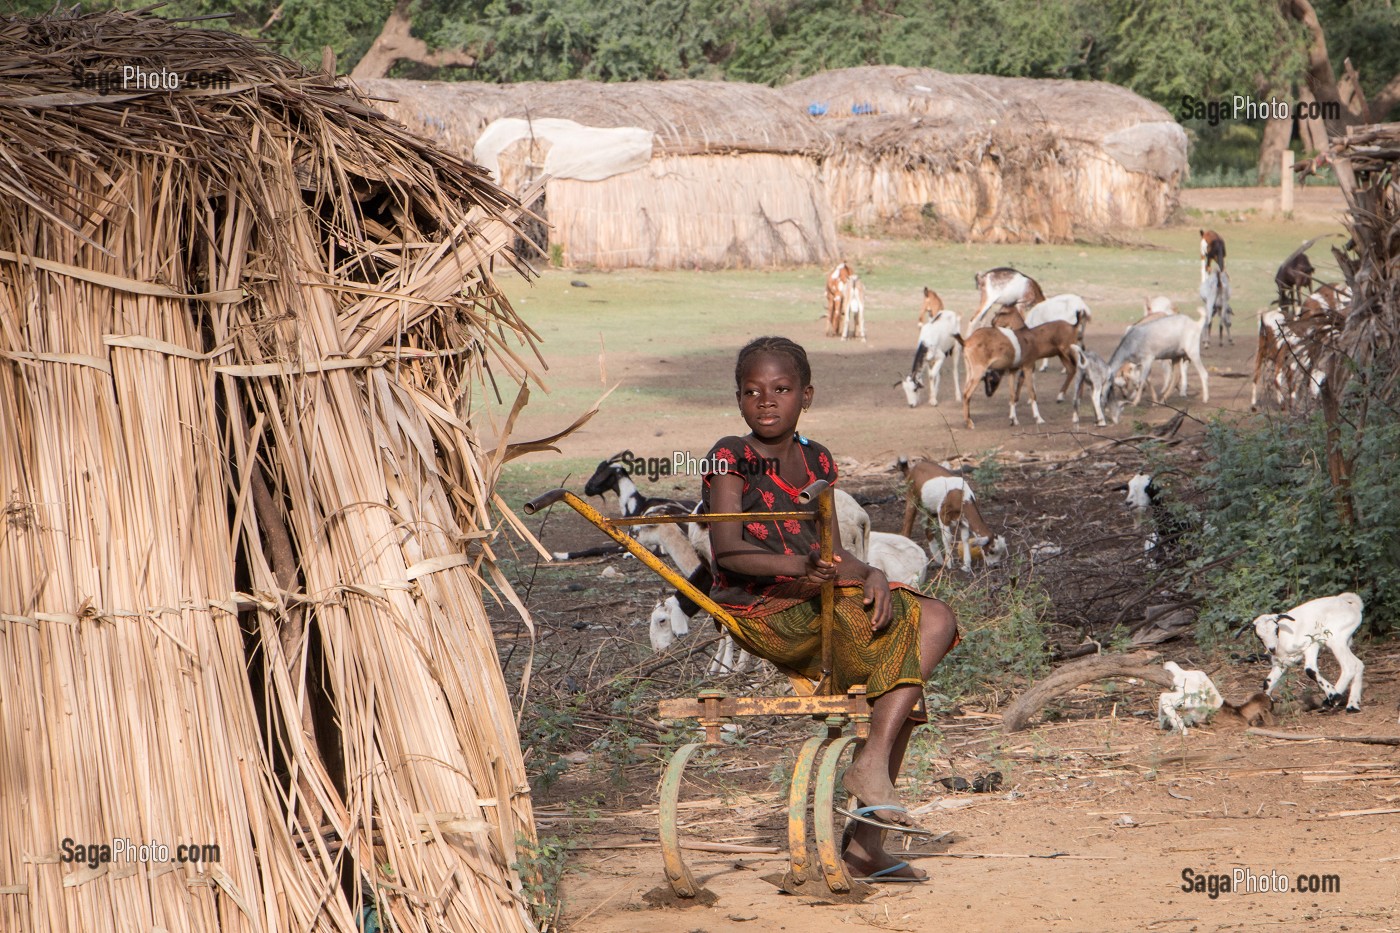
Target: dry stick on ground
(1067,678)
(1302,737)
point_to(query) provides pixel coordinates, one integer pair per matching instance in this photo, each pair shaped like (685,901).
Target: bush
(1003,639)
(1269,502)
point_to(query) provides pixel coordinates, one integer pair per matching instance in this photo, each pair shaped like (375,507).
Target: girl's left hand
(877,599)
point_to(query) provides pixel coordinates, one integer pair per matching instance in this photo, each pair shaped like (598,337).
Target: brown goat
(993,351)
(1212,252)
(931,306)
(960,522)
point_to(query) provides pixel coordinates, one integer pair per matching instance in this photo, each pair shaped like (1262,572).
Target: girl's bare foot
(872,785)
(865,859)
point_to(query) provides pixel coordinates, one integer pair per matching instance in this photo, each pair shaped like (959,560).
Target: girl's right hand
(819,571)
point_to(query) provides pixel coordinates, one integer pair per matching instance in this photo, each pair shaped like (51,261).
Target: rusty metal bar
(797,809)
(730,707)
(824,514)
(705,517)
(682,882)
(828,844)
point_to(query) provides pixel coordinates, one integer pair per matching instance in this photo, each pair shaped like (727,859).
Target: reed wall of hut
(247,515)
(732,182)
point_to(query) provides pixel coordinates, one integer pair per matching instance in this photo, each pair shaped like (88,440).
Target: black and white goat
(936,344)
(614,476)
(1146,499)
(1300,634)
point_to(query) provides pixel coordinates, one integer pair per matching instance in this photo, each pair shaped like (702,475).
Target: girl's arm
(732,552)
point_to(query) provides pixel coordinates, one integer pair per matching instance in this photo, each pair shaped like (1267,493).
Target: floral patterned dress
(780,617)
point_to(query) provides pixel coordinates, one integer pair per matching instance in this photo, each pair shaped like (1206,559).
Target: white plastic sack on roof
(588,153)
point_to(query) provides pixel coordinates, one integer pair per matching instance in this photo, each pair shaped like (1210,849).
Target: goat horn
(625,455)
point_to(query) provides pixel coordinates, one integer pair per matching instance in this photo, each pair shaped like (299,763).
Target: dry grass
(248,509)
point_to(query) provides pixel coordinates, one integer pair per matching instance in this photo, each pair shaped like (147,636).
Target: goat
(613,475)
(899,558)
(1291,349)
(836,296)
(936,344)
(1174,337)
(1091,368)
(931,306)
(853,297)
(1145,498)
(1068,308)
(1301,632)
(1215,292)
(1294,280)
(937,491)
(1161,305)
(1257,710)
(1005,286)
(1275,351)
(993,351)
(1212,252)
(1192,700)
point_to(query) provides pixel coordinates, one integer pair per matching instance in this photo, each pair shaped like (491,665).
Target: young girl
(769,576)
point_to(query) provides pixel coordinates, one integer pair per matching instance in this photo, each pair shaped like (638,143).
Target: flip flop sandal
(863,815)
(887,875)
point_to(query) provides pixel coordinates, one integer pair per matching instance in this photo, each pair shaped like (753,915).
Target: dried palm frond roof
(688,117)
(866,108)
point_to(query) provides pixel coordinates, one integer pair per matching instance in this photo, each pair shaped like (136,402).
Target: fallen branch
(1301,737)
(1086,670)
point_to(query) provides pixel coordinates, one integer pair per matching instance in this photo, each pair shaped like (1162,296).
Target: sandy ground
(1100,813)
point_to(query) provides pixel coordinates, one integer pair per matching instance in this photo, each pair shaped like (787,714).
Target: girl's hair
(776,345)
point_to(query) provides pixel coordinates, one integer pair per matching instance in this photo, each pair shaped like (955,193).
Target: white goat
(1068,308)
(1174,337)
(901,560)
(854,296)
(1301,632)
(936,345)
(1192,700)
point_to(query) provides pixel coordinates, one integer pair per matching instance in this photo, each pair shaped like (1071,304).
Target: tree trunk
(1277,134)
(1321,81)
(396,42)
(1311,130)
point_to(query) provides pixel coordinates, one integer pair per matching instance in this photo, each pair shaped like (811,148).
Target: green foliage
(1003,639)
(1269,501)
(987,475)
(544,741)
(540,864)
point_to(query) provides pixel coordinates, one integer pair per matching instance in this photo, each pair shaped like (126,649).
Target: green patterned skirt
(788,632)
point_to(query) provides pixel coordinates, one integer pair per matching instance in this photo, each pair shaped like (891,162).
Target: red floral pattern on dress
(727,455)
(749,455)
(767,497)
(826,464)
(758,530)
(792,526)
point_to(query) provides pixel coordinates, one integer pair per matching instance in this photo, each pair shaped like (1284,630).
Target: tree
(396,42)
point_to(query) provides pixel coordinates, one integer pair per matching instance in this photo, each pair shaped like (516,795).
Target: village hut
(244,320)
(661,175)
(993,159)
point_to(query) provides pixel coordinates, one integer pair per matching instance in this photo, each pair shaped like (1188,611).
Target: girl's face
(772,396)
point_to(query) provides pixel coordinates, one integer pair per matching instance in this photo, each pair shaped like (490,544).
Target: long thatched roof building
(727,174)
(992,159)
(722,174)
(246,514)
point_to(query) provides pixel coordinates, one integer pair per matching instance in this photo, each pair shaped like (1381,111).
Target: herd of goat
(1016,327)
(938,498)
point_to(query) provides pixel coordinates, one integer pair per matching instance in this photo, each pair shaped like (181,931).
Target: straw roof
(246,513)
(688,117)
(992,158)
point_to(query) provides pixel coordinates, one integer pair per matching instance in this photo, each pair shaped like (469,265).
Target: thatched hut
(725,175)
(996,159)
(245,511)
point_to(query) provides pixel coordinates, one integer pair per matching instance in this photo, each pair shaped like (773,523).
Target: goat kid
(1300,634)
(1093,369)
(835,296)
(900,559)
(993,351)
(937,342)
(1192,700)
(936,491)
(1005,287)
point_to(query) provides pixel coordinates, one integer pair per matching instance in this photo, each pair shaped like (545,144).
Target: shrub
(1269,504)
